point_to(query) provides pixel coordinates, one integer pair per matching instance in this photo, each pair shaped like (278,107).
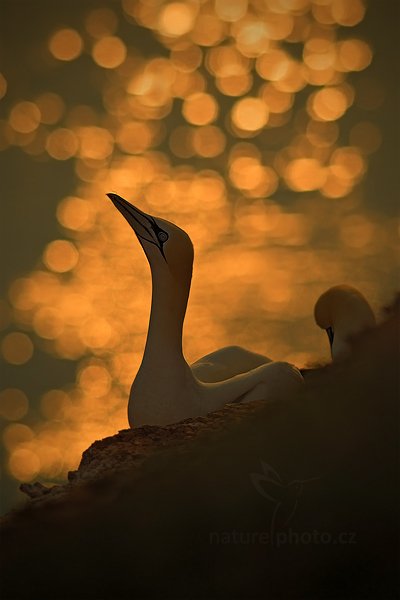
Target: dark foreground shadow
(296,501)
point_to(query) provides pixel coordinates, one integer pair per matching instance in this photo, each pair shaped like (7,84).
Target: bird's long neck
(163,351)
(164,382)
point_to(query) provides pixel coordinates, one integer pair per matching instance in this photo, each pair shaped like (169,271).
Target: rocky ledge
(129,448)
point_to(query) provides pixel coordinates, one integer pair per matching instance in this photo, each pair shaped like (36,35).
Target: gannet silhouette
(344,313)
(166,389)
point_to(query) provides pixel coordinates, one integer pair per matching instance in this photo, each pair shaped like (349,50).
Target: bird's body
(227,362)
(344,313)
(166,389)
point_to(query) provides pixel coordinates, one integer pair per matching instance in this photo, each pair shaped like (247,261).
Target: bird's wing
(226,363)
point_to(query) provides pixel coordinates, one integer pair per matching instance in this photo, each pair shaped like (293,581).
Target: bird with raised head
(166,389)
(344,313)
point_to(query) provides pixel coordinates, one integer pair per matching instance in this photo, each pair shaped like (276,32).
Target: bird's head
(168,248)
(343,312)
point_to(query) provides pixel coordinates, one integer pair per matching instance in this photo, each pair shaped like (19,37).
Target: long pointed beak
(331,335)
(135,217)
(142,224)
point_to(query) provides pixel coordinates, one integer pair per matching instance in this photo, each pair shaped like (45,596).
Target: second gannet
(344,313)
(166,389)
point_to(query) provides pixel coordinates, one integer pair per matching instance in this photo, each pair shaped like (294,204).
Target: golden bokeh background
(253,125)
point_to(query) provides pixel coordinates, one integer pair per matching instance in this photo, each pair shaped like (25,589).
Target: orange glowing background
(252,125)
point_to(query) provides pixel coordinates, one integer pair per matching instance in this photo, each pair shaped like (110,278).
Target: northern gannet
(166,389)
(343,312)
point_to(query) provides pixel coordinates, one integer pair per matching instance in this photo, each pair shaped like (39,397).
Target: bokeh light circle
(250,114)
(176,18)
(200,109)
(60,256)
(66,44)
(109,52)
(25,117)
(14,404)
(17,348)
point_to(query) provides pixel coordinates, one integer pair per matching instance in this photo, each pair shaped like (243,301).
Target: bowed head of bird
(344,313)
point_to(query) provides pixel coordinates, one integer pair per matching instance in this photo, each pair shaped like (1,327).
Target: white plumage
(166,389)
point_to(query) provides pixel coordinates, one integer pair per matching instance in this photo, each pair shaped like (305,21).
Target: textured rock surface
(130,447)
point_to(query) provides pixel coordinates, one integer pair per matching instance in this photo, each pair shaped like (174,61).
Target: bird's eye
(162,236)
